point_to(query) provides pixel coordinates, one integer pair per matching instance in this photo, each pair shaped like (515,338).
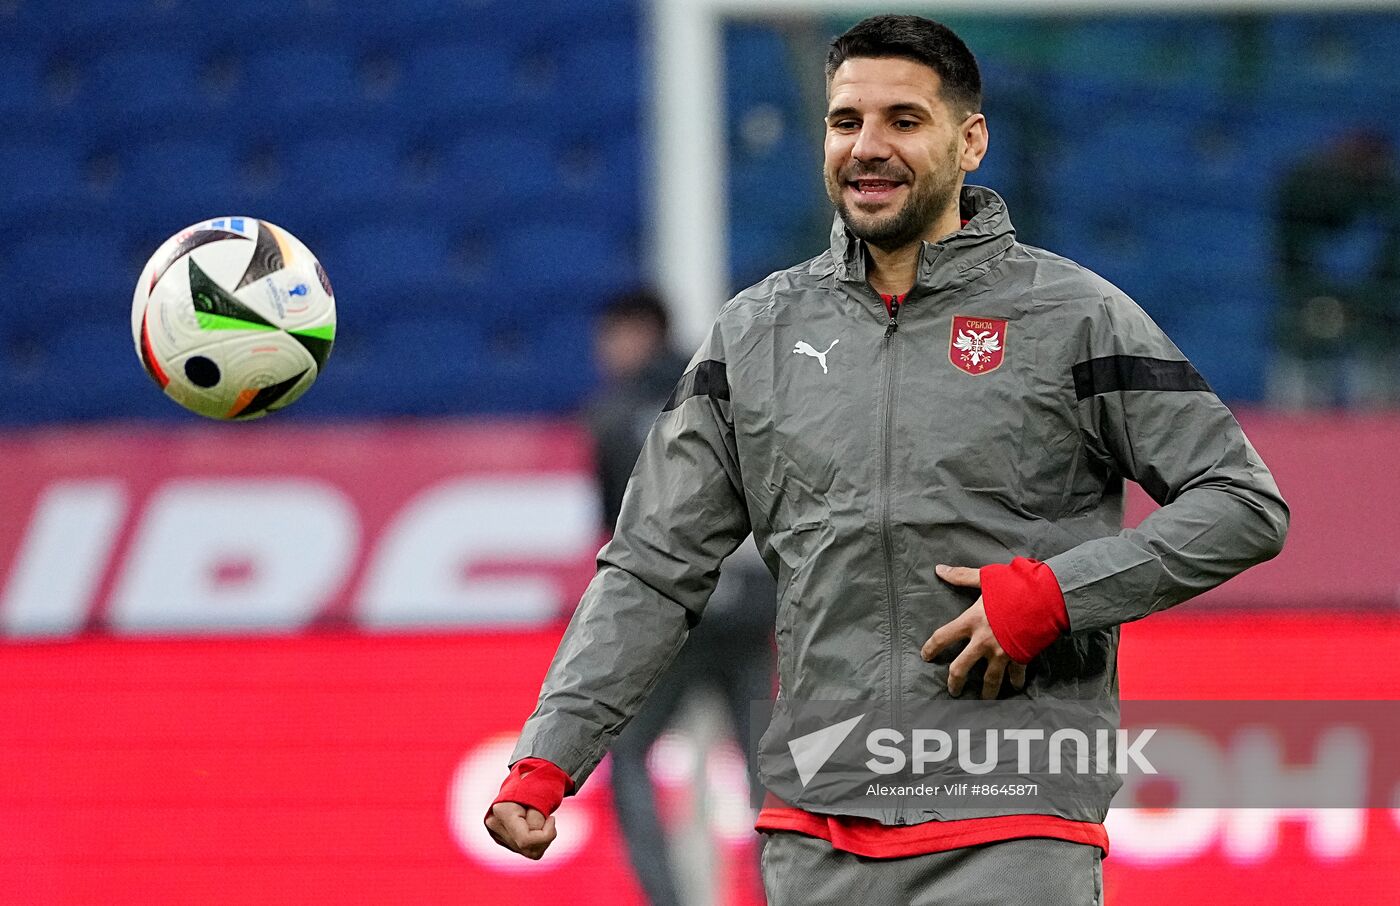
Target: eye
(906,125)
(846,125)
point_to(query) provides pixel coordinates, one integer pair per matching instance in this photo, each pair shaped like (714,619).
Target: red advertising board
(218,529)
(318,769)
(275,529)
(354,769)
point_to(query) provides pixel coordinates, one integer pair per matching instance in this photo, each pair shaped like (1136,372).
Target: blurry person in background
(1338,216)
(731,653)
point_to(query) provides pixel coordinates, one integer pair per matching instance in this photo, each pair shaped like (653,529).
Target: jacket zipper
(886,533)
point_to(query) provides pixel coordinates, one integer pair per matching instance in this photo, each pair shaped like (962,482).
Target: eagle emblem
(977,345)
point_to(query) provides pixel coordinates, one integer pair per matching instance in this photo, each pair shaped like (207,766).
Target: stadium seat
(380,270)
(543,367)
(157,84)
(84,369)
(253,22)
(80,24)
(22,68)
(498,170)
(360,171)
(1335,48)
(769,184)
(574,266)
(92,269)
(36,177)
(1151,50)
(757,68)
(413,365)
(304,81)
(462,78)
(179,181)
(603,78)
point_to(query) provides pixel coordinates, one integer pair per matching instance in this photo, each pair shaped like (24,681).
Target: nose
(871,144)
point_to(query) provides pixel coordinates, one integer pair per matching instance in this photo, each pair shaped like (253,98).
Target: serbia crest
(977,345)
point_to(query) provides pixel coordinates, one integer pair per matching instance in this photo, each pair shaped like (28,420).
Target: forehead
(869,83)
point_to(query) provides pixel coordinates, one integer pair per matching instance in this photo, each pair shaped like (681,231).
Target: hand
(972,625)
(520,829)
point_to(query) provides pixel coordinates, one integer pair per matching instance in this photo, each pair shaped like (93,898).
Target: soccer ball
(233,318)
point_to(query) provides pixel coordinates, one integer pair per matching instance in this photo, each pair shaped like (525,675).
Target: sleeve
(1146,414)
(682,514)
(534,783)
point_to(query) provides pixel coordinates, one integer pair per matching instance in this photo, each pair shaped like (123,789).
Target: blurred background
(283,661)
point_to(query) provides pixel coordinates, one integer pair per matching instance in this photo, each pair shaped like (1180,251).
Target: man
(926,408)
(639,368)
(1338,215)
(731,653)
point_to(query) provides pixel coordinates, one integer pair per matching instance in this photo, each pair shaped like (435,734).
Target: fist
(519,829)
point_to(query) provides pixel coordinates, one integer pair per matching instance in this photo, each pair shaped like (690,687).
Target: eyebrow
(920,109)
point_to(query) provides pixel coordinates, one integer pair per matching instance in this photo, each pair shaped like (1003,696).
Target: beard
(928,198)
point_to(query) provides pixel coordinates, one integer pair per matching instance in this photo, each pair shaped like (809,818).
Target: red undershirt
(1026,611)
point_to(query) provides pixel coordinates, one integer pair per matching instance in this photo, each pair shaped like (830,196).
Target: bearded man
(927,429)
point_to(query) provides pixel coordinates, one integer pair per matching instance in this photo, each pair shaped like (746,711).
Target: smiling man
(927,428)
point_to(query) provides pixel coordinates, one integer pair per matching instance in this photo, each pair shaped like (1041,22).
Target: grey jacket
(860,471)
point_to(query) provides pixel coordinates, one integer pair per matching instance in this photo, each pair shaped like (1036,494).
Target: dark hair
(641,305)
(922,40)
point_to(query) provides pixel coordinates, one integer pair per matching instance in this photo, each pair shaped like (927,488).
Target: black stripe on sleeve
(708,378)
(1115,373)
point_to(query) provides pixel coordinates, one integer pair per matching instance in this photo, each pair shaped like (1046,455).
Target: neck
(892,271)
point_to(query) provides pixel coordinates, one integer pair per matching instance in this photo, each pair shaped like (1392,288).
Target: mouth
(874,190)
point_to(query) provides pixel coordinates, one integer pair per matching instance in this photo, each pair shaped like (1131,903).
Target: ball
(233,318)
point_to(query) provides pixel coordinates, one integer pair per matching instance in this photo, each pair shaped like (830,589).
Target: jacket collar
(960,258)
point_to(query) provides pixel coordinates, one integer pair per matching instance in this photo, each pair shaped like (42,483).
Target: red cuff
(535,783)
(1024,606)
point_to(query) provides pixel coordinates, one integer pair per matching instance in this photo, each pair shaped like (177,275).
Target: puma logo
(806,349)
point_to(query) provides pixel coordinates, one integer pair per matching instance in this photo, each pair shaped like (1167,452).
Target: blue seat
(757,68)
(384,267)
(362,170)
(775,183)
(568,18)
(576,266)
(1150,49)
(37,176)
(1340,49)
(1216,244)
(85,369)
(80,24)
(158,84)
(499,170)
(252,22)
(409,364)
(179,181)
(599,180)
(757,249)
(413,19)
(598,76)
(459,77)
(545,368)
(22,78)
(302,80)
(75,264)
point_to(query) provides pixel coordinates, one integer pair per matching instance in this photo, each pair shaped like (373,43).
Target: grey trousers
(804,871)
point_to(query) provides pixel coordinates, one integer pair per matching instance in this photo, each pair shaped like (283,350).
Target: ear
(974,142)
